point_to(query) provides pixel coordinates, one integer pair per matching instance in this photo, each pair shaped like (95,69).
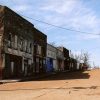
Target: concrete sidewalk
(27,78)
(9,81)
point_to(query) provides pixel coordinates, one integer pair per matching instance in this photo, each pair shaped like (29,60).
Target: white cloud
(60,6)
(21,8)
(86,37)
(73,14)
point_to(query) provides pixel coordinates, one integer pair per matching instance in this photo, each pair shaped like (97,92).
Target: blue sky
(83,15)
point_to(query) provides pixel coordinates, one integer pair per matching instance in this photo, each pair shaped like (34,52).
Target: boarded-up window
(39,50)
(9,36)
(16,38)
(30,47)
(9,39)
(24,45)
(19,43)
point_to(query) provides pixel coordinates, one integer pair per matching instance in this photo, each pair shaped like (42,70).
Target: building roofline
(18,15)
(40,31)
(63,47)
(54,47)
(51,45)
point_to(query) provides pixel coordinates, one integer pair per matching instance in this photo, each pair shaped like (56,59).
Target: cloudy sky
(80,15)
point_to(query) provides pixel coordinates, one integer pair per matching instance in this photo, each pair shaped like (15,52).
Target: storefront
(13,66)
(39,65)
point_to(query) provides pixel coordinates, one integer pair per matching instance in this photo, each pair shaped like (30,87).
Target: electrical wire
(58,26)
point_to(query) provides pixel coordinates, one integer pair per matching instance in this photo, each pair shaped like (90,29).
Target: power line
(58,26)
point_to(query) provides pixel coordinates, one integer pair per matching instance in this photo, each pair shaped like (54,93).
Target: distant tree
(86,58)
(82,58)
(77,57)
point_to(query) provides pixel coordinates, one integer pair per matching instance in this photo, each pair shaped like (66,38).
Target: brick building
(60,60)
(40,48)
(73,64)
(22,46)
(66,57)
(16,51)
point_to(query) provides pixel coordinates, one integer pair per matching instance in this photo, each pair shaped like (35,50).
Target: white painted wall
(52,53)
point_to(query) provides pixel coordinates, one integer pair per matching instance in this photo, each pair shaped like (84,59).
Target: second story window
(28,47)
(39,50)
(35,49)
(31,48)
(20,43)
(24,45)
(9,39)
(16,42)
(9,36)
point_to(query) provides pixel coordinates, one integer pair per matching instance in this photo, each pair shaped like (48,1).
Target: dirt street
(70,86)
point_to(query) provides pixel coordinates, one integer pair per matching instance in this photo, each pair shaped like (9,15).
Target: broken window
(27,47)
(16,38)
(13,41)
(20,43)
(35,49)
(9,36)
(9,39)
(24,45)
(39,50)
(30,47)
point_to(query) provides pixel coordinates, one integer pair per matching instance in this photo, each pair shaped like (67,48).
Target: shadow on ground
(67,76)
(55,76)
(62,76)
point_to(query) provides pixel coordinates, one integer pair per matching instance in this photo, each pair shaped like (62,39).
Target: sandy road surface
(70,86)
